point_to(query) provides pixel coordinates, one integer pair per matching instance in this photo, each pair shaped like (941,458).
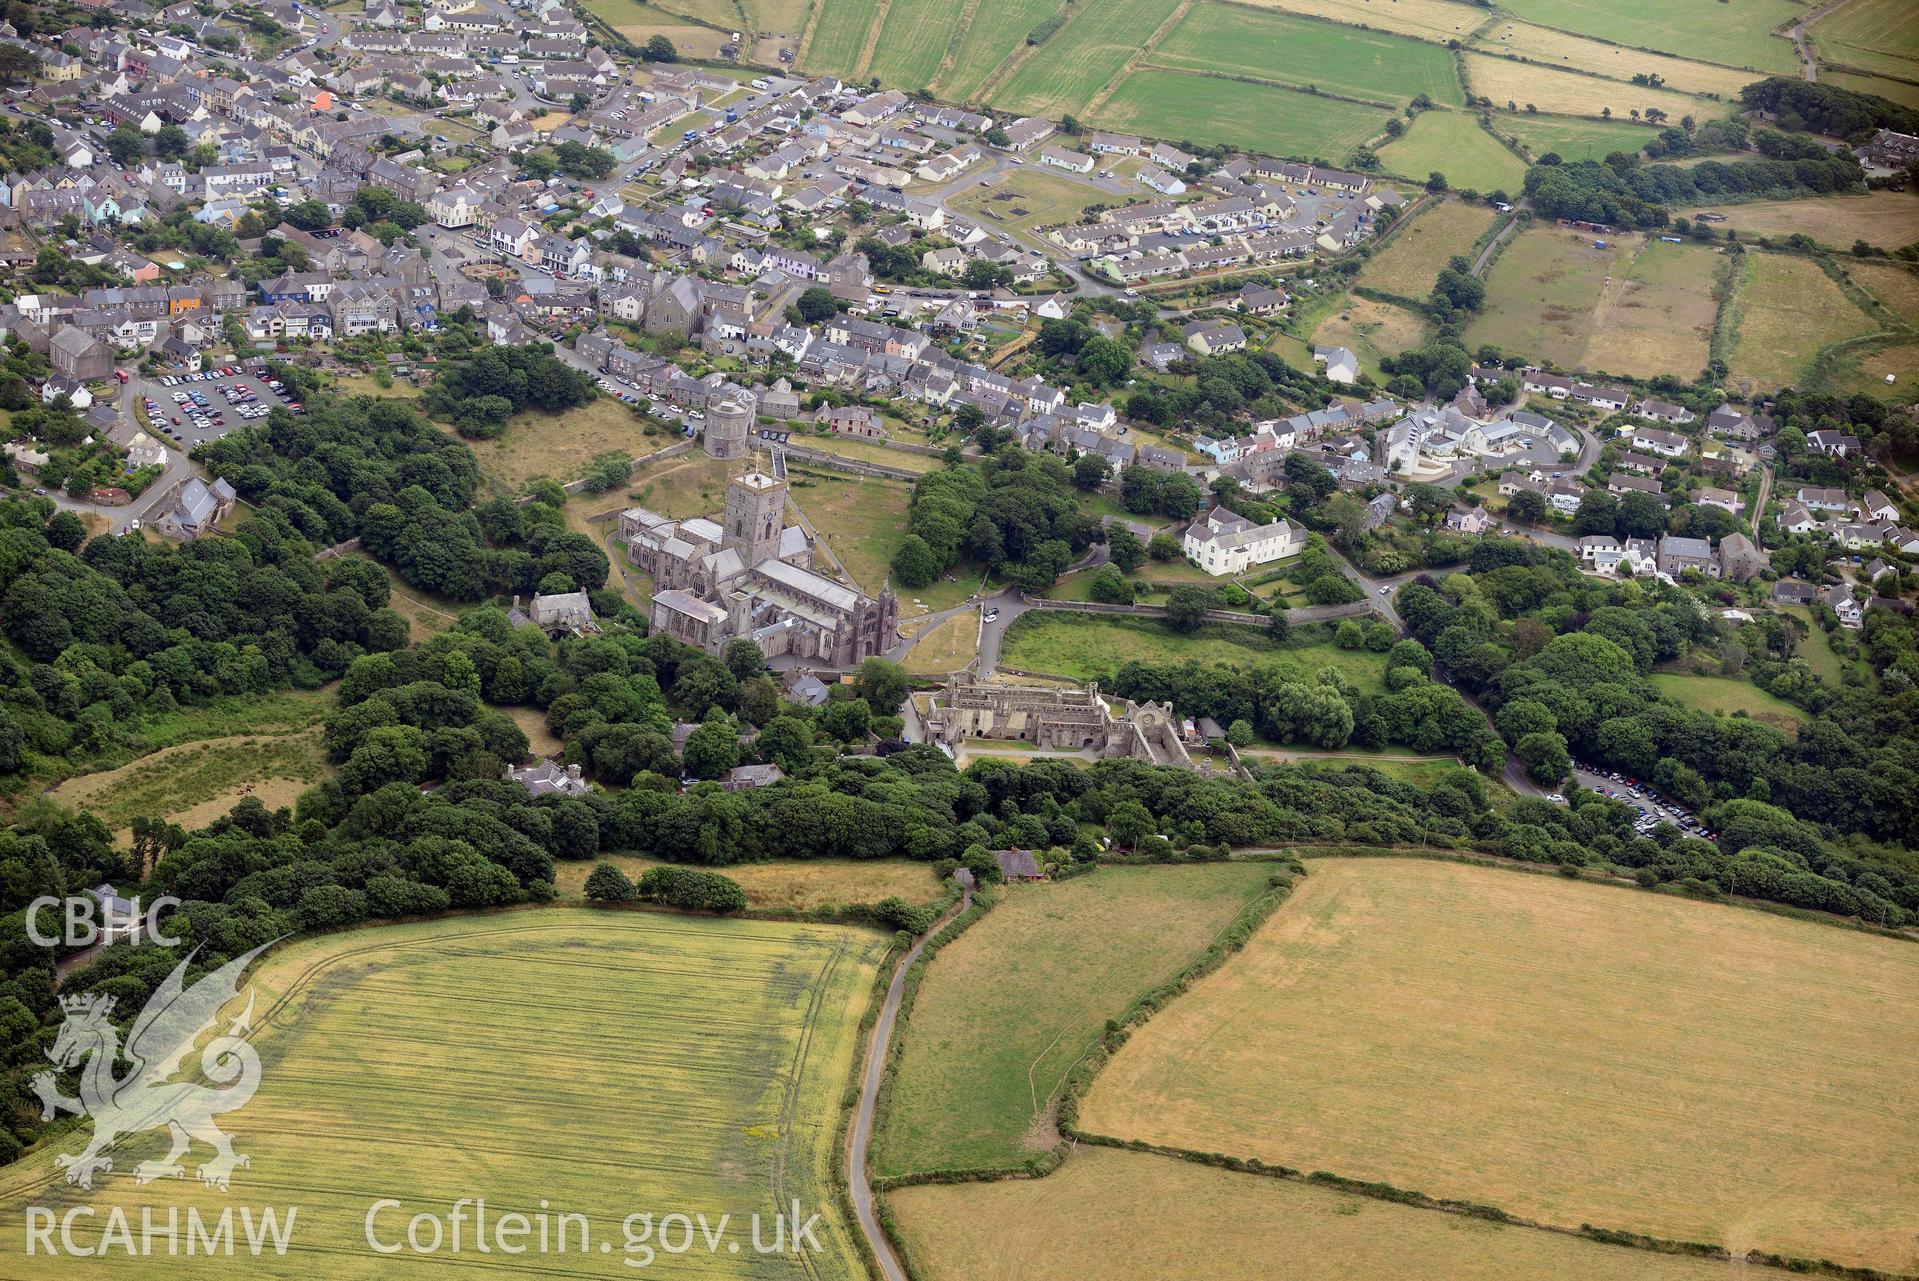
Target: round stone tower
(729,427)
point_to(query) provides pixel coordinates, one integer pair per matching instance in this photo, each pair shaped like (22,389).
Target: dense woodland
(375,469)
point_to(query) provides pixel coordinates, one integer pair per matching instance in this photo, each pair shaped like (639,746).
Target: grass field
(1452,143)
(1788,310)
(1876,35)
(1889,219)
(1637,307)
(1739,34)
(870,451)
(560,445)
(1577,53)
(1305,51)
(689,485)
(1046,199)
(1010,1005)
(1091,52)
(1865,372)
(1371,330)
(1902,92)
(837,35)
(598,1063)
(1567,1051)
(1164,104)
(997,32)
(911,42)
(1413,258)
(195,783)
(1657,315)
(1574,139)
(1726,696)
(862,520)
(1088,646)
(1109,1213)
(800,885)
(1896,287)
(1570,93)
(947,647)
(1437,20)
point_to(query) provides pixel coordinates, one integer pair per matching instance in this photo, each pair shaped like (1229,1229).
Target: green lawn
(1305,51)
(1092,646)
(997,32)
(1574,139)
(912,41)
(1418,250)
(1169,104)
(1008,1007)
(1452,143)
(1726,695)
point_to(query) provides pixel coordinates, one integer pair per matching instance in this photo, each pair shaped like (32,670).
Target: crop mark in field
(951,57)
(789,1103)
(1145,53)
(863,65)
(1017,59)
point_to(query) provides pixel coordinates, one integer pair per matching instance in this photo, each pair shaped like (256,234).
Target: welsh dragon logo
(146,1097)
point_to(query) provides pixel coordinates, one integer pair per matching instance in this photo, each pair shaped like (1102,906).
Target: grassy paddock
(1168,104)
(1089,53)
(1452,143)
(1726,696)
(1007,1008)
(1574,139)
(1569,1052)
(1372,331)
(1656,315)
(1090,646)
(1738,34)
(1789,310)
(1885,218)
(862,520)
(947,647)
(1110,1213)
(1305,51)
(1412,260)
(431,1061)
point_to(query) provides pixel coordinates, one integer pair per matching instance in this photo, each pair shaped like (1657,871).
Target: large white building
(1223,543)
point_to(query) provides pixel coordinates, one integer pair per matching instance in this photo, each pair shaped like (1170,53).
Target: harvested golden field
(1888,219)
(1112,1214)
(800,885)
(1578,53)
(583,1063)
(1570,93)
(1418,251)
(1438,20)
(1788,311)
(1570,1052)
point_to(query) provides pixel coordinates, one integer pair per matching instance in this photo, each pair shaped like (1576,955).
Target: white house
(1223,543)
(1341,365)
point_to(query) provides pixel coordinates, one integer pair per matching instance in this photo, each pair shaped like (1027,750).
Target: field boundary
(1121,1030)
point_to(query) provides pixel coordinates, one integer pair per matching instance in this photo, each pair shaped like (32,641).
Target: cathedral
(750,575)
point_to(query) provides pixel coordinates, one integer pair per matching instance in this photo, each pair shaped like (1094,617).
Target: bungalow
(1664,443)
(1071,161)
(1618,484)
(1258,300)
(1114,144)
(1213,337)
(1661,412)
(1724,499)
(1825,499)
